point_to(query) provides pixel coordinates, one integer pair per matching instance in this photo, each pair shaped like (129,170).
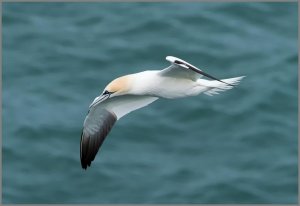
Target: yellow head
(119,86)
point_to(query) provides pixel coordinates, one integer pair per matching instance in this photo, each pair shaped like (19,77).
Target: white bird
(134,91)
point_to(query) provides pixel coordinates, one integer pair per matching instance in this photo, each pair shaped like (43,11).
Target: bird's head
(118,87)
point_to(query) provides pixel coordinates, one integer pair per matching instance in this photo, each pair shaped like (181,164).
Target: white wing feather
(122,105)
(179,70)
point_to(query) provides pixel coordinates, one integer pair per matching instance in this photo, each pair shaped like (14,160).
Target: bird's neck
(143,83)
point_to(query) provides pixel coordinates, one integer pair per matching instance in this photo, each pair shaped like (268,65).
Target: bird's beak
(99,99)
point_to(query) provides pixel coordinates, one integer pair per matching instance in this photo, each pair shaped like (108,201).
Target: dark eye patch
(106,92)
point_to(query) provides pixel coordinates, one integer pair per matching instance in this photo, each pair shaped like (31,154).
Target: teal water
(237,147)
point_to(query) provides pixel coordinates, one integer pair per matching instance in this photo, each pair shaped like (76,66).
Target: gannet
(134,91)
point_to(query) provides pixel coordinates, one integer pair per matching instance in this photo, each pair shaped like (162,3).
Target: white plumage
(134,91)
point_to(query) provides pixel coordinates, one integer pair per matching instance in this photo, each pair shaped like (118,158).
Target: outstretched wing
(179,70)
(182,69)
(97,125)
(101,118)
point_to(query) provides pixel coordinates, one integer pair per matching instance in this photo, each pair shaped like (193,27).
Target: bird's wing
(182,69)
(97,125)
(101,118)
(122,105)
(179,70)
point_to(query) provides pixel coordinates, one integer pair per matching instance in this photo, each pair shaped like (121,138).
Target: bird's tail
(214,87)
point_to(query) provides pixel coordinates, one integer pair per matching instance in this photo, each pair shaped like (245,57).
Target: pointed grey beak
(99,99)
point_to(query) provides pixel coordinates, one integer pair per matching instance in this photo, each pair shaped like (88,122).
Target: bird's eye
(106,92)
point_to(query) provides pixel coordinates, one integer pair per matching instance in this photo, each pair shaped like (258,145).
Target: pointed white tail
(214,87)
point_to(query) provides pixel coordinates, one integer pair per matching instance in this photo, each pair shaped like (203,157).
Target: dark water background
(236,147)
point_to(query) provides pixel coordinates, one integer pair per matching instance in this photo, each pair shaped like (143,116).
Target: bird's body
(134,91)
(152,83)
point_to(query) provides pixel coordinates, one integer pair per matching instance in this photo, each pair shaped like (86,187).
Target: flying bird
(134,91)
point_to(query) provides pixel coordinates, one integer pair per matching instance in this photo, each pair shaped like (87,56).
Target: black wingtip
(201,72)
(211,77)
(90,143)
(88,151)
(84,165)
(83,151)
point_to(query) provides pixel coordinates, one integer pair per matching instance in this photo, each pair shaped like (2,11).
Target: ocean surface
(236,147)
